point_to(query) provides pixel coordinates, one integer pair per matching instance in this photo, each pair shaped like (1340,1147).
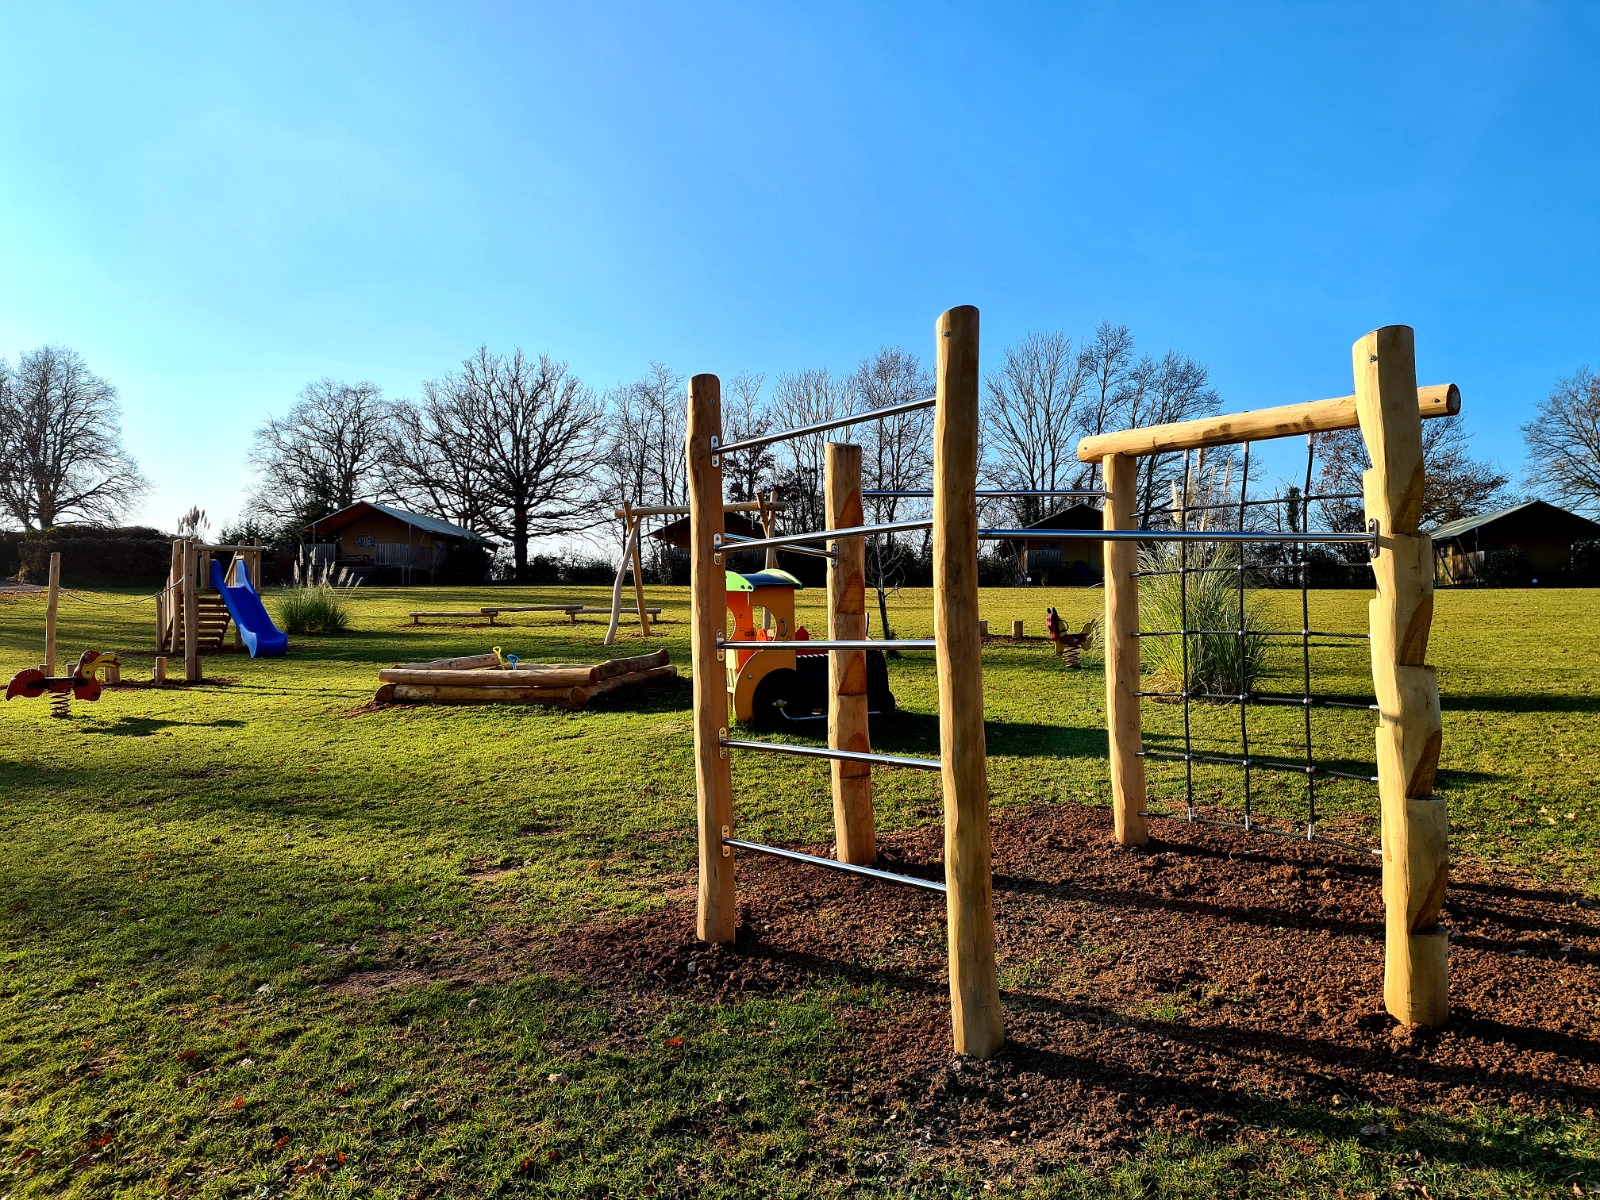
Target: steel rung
(834,864)
(882,760)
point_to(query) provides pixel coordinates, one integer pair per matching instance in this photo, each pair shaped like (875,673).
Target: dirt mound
(1209,978)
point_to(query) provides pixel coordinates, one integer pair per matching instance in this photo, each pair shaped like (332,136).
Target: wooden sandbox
(481,679)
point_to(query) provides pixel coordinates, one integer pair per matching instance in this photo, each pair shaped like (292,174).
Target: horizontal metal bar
(1234,504)
(1255,698)
(1265,764)
(834,864)
(828,535)
(1285,633)
(871,414)
(992,493)
(805,646)
(1167,535)
(882,760)
(735,541)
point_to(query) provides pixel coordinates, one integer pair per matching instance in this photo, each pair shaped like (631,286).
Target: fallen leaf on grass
(674,1041)
(281,1142)
(188,1055)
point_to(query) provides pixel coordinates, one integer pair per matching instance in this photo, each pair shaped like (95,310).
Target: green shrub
(1219,663)
(313,608)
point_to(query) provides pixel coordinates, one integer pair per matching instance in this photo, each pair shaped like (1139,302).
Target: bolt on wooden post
(708,598)
(976,1017)
(1415,826)
(855,838)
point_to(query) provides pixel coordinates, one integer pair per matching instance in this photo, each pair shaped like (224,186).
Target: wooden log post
(174,605)
(159,675)
(1124,728)
(630,532)
(1414,824)
(855,838)
(191,611)
(976,1018)
(708,599)
(50,604)
(638,582)
(1016,631)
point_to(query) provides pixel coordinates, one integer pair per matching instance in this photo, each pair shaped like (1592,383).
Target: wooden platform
(480,679)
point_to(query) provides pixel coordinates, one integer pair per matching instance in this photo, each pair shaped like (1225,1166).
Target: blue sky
(217,203)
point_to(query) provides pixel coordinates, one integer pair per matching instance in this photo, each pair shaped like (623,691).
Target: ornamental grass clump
(317,601)
(1218,663)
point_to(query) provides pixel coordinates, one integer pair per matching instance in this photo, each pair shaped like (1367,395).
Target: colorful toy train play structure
(773,685)
(1387,407)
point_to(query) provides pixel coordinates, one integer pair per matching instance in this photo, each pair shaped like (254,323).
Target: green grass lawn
(203,889)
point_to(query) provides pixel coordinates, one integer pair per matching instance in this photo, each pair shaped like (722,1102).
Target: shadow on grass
(145,726)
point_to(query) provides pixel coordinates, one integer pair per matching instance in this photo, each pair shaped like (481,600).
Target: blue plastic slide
(256,630)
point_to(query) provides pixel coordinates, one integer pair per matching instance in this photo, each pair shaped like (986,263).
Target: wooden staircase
(211,627)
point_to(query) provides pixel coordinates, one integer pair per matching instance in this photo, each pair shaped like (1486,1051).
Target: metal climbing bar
(875,414)
(806,646)
(1180,536)
(1288,633)
(833,864)
(1269,764)
(821,535)
(993,494)
(736,541)
(861,756)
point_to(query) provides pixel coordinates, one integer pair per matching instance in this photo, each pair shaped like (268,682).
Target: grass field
(227,912)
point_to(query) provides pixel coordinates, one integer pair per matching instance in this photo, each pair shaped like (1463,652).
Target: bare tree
(1563,442)
(644,459)
(433,466)
(897,456)
(61,452)
(325,454)
(746,414)
(534,429)
(1107,360)
(1455,484)
(1032,418)
(1172,388)
(806,397)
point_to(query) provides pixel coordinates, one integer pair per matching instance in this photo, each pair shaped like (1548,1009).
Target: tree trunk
(519,541)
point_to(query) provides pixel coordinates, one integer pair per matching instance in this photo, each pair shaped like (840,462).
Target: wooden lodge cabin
(1543,532)
(374,542)
(1057,563)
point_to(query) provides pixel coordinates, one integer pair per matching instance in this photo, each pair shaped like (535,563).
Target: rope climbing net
(1294,570)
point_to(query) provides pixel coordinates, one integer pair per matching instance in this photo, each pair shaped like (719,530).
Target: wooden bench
(572,610)
(416,617)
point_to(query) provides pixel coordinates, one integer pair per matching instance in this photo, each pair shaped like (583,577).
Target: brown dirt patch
(1185,986)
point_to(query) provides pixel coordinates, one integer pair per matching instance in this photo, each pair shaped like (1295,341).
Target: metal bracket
(1372,528)
(716,443)
(722,746)
(727,850)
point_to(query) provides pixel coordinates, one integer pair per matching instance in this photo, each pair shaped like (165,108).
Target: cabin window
(366,539)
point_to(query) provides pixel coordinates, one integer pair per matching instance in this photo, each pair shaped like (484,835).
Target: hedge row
(136,556)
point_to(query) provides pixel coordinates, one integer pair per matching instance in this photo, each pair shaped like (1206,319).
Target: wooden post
(1415,826)
(160,675)
(113,673)
(708,598)
(50,613)
(1124,731)
(856,840)
(630,530)
(169,635)
(983,629)
(191,611)
(977,1021)
(638,580)
(769,528)
(1016,630)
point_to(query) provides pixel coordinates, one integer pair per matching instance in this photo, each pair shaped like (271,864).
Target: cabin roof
(1572,525)
(334,522)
